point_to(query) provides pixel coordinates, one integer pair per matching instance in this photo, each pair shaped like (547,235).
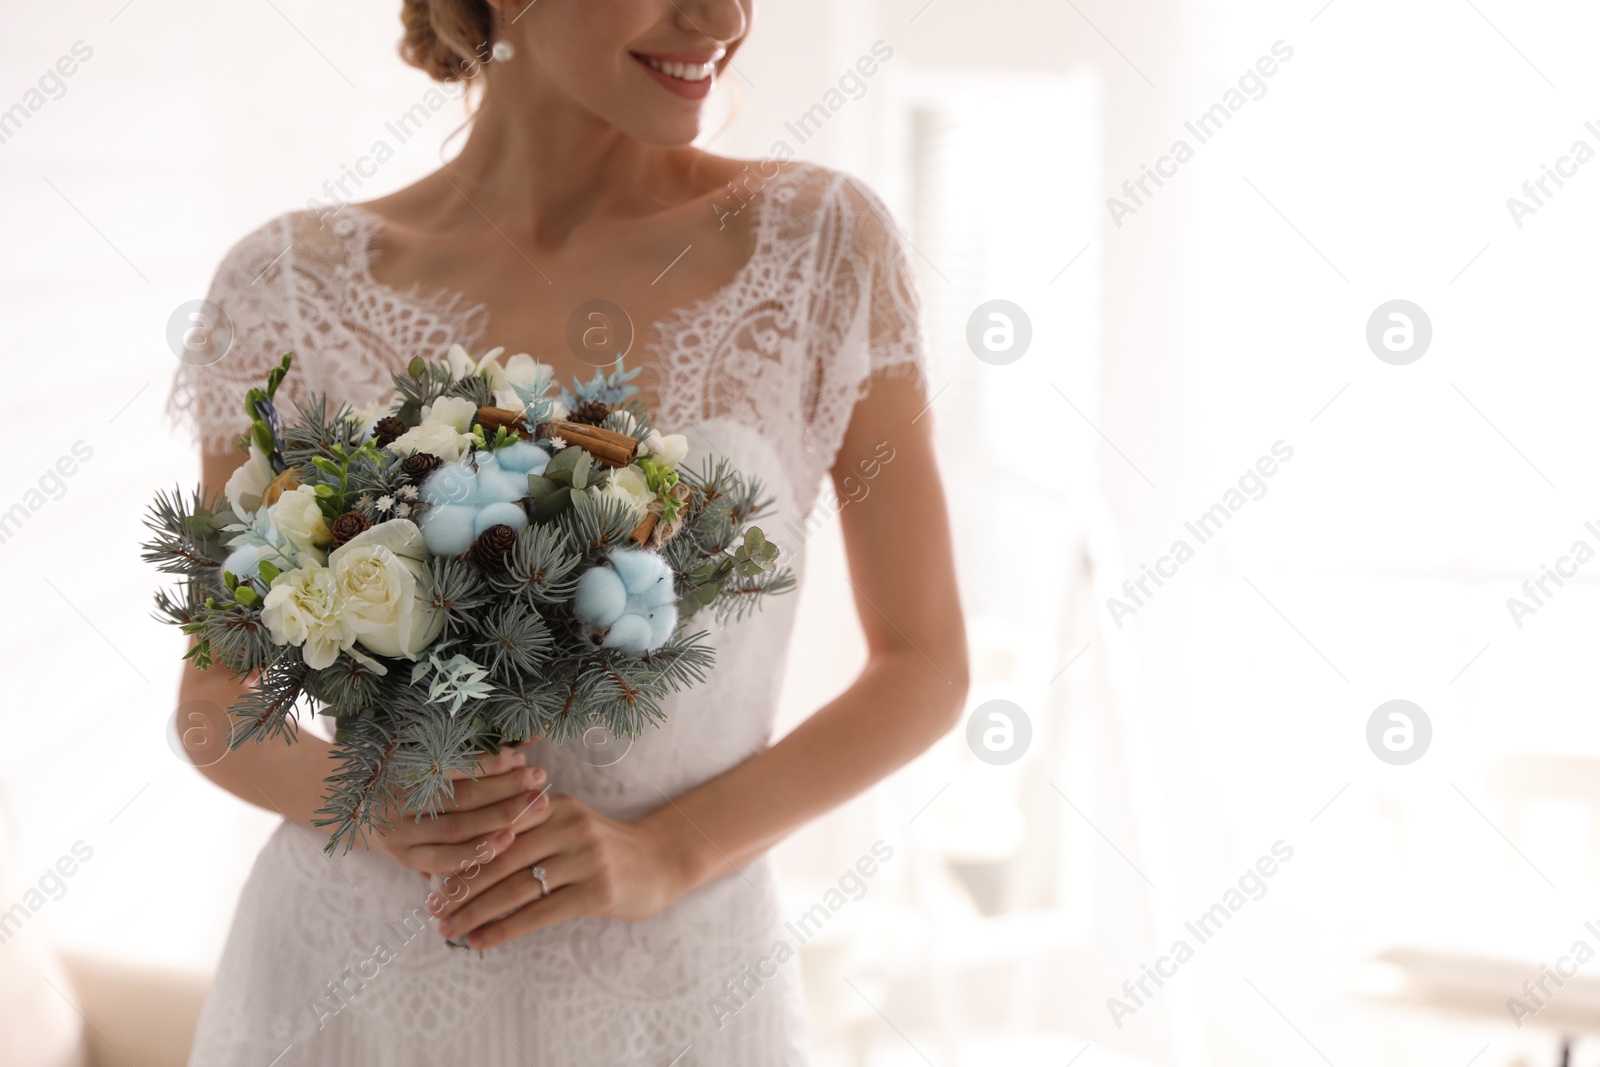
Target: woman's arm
(914,685)
(897,540)
(289,779)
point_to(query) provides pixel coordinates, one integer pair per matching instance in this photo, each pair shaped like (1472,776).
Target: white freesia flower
(298,517)
(669,449)
(246,484)
(445,430)
(378,577)
(304,607)
(462,365)
(628,485)
(454,411)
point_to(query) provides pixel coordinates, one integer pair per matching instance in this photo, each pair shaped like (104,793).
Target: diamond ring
(539,875)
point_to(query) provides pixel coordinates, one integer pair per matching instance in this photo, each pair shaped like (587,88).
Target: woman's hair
(447,39)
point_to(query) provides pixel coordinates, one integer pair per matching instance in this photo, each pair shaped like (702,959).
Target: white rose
(670,449)
(628,485)
(304,607)
(246,484)
(378,576)
(298,517)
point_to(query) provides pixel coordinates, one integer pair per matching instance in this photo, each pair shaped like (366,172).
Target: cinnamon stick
(609,447)
(492,419)
(641,532)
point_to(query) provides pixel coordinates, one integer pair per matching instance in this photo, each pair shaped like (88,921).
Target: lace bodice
(326,963)
(826,299)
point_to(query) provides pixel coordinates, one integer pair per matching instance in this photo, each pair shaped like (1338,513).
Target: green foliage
(540,570)
(188,532)
(460,590)
(592,527)
(419,385)
(513,642)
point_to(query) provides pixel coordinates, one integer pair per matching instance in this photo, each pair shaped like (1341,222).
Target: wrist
(681,849)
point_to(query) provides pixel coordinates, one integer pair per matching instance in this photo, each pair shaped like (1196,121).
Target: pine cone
(492,547)
(348,525)
(388,430)
(590,412)
(419,465)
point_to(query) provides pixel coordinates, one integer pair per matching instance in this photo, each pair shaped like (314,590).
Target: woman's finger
(473,793)
(509,893)
(498,763)
(536,846)
(570,903)
(526,809)
(457,859)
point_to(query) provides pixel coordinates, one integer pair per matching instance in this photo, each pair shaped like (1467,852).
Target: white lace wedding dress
(330,960)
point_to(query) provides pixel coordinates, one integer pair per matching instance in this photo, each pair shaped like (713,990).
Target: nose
(719,21)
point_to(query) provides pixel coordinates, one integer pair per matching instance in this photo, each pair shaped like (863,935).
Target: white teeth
(689,72)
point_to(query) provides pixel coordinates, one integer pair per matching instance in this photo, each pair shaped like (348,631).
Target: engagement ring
(544,886)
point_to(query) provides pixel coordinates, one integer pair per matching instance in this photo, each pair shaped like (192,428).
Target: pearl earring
(503,49)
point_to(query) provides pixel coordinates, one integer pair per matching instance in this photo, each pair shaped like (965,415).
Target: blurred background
(1202,760)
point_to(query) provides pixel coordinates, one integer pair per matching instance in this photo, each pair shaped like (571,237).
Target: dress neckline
(657,339)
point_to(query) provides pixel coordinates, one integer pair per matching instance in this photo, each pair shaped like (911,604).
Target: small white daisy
(408,492)
(403,510)
(364,500)
(385,502)
(556,443)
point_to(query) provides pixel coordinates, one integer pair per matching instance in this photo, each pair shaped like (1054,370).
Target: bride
(777,325)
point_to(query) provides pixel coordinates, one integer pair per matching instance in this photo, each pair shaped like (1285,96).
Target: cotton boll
(629,634)
(523,457)
(501,486)
(600,598)
(663,621)
(450,484)
(448,528)
(658,596)
(489,515)
(638,569)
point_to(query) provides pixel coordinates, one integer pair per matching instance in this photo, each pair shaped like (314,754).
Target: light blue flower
(630,604)
(466,498)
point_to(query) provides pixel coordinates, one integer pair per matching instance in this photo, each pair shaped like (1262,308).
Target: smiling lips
(691,75)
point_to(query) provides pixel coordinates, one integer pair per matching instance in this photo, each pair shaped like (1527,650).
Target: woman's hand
(593,864)
(506,797)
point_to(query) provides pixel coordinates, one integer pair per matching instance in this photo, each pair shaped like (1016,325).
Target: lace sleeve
(867,321)
(252,287)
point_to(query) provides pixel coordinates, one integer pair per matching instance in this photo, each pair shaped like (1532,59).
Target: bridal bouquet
(481,560)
